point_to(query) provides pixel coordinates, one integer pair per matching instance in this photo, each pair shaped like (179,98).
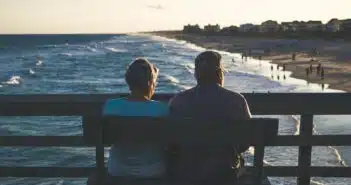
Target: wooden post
(258,160)
(99,155)
(305,152)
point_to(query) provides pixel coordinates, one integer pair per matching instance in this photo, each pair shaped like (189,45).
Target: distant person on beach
(293,57)
(136,161)
(307,71)
(311,68)
(322,73)
(319,68)
(284,66)
(271,67)
(208,99)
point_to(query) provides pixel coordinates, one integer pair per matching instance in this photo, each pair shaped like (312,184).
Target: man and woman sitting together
(208,98)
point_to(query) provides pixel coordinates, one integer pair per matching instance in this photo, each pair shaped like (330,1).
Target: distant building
(246,27)
(230,30)
(300,25)
(269,26)
(314,26)
(333,25)
(345,25)
(192,28)
(288,26)
(212,28)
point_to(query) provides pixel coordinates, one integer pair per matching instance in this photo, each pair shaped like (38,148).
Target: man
(210,100)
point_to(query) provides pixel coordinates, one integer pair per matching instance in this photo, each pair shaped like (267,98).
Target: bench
(183,132)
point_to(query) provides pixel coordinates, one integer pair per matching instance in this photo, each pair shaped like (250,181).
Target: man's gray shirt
(212,102)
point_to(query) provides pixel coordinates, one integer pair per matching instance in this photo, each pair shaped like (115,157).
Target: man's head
(208,68)
(141,77)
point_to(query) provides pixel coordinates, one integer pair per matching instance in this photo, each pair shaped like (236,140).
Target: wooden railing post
(305,152)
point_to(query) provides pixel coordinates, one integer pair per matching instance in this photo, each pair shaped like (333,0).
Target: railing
(89,107)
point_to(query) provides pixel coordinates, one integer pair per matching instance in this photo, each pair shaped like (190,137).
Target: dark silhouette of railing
(89,107)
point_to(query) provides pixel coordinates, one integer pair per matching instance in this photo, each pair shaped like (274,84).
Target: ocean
(96,64)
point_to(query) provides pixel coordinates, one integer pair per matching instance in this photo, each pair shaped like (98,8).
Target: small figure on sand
(322,73)
(311,68)
(307,71)
(322,86)
(278,77)
(271,67)
(284,76)
(293,57)
(277,67)
(284,66)
(233,60)
(319,68)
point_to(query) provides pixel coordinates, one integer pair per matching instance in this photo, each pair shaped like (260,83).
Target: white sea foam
(31,71)
(66,54)
(170,78)
(13,80)
(39,62)
(116,50)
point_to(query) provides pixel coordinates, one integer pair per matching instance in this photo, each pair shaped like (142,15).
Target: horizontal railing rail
(89,107)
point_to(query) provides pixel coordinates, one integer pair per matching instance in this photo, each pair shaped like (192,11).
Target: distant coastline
(333,55)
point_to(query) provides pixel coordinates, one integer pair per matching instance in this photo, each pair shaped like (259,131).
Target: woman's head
(141,77)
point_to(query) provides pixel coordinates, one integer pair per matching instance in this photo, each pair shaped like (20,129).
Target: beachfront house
(333,25)
(246,27)
(212,28)
(288,26)
(230,30)
(300,26)
(345,25)
(314,26)
(192,29)
(269,26)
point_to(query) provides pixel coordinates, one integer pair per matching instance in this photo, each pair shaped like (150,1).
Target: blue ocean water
(96,64)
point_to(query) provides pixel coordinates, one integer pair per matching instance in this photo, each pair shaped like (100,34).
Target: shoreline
(335,56)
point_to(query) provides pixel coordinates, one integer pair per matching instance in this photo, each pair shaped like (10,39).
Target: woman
(141,161)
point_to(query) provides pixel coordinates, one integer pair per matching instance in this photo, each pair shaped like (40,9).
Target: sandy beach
(334,56)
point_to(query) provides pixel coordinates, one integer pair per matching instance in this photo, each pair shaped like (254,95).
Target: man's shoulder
(231,94)
(183,95)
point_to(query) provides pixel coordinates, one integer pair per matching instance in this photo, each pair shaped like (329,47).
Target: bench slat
(79,141)
(76,172)
(46,171)
(42,141)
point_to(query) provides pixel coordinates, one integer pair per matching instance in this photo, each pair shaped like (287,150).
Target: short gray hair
(139,73)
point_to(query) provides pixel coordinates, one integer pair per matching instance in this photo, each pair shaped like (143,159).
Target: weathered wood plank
(270,171)
(315,140)
(79,141)
(305,152)
(73,172)
(315,171)
(42,141)
(90,104)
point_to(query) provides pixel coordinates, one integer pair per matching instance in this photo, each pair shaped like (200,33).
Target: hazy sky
(118,16)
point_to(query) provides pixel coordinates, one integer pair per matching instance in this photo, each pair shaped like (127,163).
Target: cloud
(157,7)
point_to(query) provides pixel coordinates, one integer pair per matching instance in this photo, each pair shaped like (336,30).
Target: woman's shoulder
(159,106)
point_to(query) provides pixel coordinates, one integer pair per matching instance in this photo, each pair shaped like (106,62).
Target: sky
(121,16)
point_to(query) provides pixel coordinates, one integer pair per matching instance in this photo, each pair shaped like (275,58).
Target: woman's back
(136,161)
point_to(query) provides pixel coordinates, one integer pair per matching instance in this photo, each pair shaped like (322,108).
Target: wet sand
(334,56)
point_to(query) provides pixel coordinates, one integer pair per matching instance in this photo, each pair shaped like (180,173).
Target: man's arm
(246,114)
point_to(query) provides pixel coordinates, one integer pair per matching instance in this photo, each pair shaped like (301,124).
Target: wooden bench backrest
(186,131)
